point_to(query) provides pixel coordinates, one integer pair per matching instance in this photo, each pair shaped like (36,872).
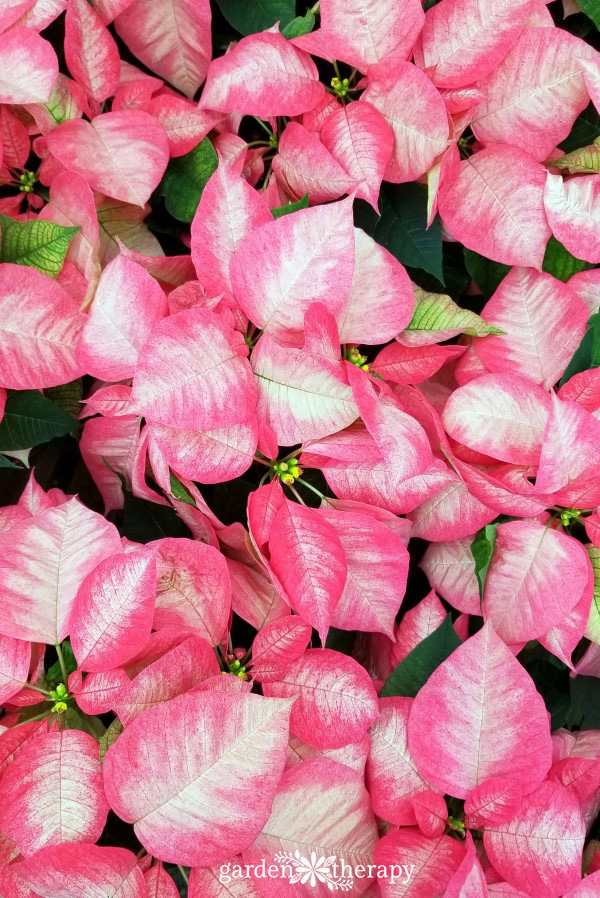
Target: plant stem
(61,661)
(316,9)
(263,125)
(30,720)
(262,461)
(183,874)
(296,494)
(309,486)
(36,689)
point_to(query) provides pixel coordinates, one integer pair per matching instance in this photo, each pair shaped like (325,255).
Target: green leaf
(179,492)
(559,262)
(300,25)
(145,521)
(54,672)
(402,229)
(585,707)
(185,179)
(67,396)
(487,275)
(413,671)
(482,549)
(340,640)
(584,131)
(38,244)
(551,679)
(7,463)
(587,355)
(437,312)
(592,10)
(250,16)
(291,207)
(593,628)
(110,737)
(30,419)
(583,161)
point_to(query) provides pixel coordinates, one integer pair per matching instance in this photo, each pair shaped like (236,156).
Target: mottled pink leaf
(433,861)
(536,576)
(185,124)
(90,51)
(450,569)
(172,39)
(263,75)
(450,513)
(277,645)
(15,657)
(113,611)
(43,561)
(540,848)
(496,206)
(412,364)
(189,375)
(336,700)
(417,115)
(572,210)
(39,327)
(84,871)
(186,796)
(479,716)
(469,880)
(122,154)
(364,32)
(53,792)
(496,800)
(209,456)
(110,441)
(159,884)
(193,588)
(416,625)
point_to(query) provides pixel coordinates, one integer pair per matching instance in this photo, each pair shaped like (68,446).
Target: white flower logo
(313,871)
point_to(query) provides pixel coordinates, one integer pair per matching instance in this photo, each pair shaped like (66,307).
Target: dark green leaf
(7,463)
(37,244)
(179,492)
(559,262)
(592,9)
(291,207)
(551,679)
(487,274)
(185,179)
(588,353)
(67,396)
(77,720)
(145,521)
(413,671)
(584,131)
(402,229)
(110,737)
(30,419)
(250,16)
(340,640)
(55,672)
(365,217)
(585,707)
(482,549)
(299,26)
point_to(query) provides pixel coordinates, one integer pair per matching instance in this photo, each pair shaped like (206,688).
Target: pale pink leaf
(122,154)
(113,611)
(381,299)
(189,375)
(572,210)
(185,795)
(108,10)
(159,883)
(416,625)
(496,800)
(325,804)
(417,115)
(377,571)
(209,456)
(536,576)
(412,364)
(569,459)
(212,882)
(84,871)
(479,716)
(304,165)
(40,324)
(279,269)
(15,657)
(364,32)
(361,141)
(501,415)
(229,209)
(540,848)
(469,880)
(178,671)
(496,206)
(29,67)
(588,888)
(433,861)
(193,588)
(277,645)
(450,569)
(391,774)
(185,124)
(538,88)
(90,51)
(108,447)
(543,322)
(43,561)
(336,701)
(12,11)
(96,694)
(53,792)
(308,559)
(451,513)
(263,75)
(172,39)
(431,813)
(43,13)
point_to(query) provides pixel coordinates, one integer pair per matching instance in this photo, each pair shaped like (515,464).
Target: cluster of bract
(299,449)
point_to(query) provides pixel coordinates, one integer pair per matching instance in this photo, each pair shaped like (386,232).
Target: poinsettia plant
(299,448)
